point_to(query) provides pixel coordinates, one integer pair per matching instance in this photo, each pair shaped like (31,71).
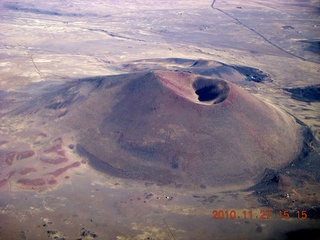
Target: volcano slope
(165,127)
(179,128)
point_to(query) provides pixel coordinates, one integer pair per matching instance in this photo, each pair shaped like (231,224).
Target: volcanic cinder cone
(179,128)
(164,127)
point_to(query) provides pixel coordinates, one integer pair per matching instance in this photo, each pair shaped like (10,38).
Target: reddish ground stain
(57,145)
(54,148)
(32,182)
(61,153)
(52,181)
(25,154)
(27,170)
(62,170)
(54,160)
(10,157)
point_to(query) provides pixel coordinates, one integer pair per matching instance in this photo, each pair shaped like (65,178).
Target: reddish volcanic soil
(159,119)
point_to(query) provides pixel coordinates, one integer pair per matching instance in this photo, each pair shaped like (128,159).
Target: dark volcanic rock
(305,94)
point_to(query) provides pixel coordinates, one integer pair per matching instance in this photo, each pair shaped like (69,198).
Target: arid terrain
(159,119)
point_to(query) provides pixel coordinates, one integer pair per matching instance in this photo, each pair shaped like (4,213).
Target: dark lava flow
(301,172)
(305,94)
(252,74)
(236,73)
(313,45)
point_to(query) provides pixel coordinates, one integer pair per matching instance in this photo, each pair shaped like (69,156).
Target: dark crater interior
(207,93)
(211,90)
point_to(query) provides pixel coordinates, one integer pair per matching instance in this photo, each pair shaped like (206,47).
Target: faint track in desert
(259,34)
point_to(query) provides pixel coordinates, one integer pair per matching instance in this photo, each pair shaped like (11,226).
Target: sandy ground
(62,41)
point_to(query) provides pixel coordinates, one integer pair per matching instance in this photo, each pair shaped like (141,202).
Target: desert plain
(143,119)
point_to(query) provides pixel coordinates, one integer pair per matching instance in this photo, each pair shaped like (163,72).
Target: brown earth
(53,106)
